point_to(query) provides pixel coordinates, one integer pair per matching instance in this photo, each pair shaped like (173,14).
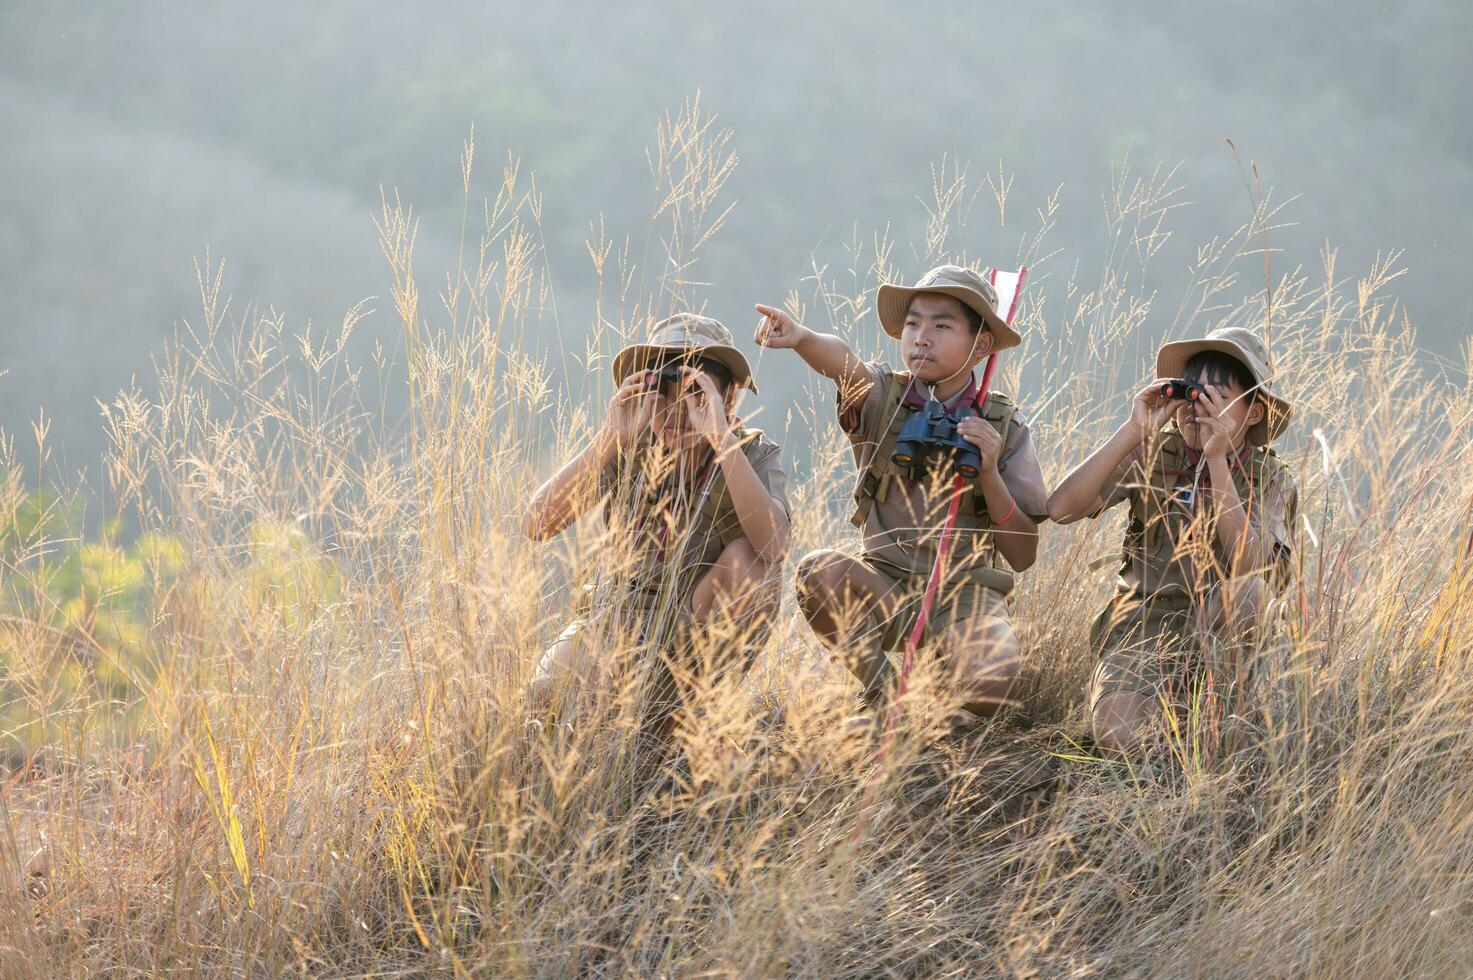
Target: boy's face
(937,342)
(1242,411)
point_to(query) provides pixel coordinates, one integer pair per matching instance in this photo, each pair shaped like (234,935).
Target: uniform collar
(916,398)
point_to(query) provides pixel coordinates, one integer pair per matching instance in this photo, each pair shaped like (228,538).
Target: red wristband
(1008,516)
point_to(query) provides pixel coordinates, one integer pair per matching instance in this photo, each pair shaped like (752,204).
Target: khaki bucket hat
(686,333)
(1247,347)
(949,280)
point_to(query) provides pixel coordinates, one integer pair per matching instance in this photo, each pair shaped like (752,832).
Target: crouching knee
(742,569)
(820,575)
(986,653)
(1117,721)
(1239,605)
(562,665)
(738,584)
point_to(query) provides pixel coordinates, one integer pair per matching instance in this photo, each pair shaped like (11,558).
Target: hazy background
(133,136)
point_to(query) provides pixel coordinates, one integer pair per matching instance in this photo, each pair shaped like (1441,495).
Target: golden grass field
(282,732)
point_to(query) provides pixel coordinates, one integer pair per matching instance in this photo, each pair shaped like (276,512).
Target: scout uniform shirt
(902,530)
(1166,559)
(676,520)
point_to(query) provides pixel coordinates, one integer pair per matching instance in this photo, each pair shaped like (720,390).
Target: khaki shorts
(1146,649)
(680,653)
(957,600)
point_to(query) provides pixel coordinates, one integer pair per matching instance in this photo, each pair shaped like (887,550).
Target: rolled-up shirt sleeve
(857,403)
(1021,472)
(1118,485)
(767,462)
(1272,513)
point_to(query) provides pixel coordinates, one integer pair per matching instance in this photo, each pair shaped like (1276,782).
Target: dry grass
(319,761)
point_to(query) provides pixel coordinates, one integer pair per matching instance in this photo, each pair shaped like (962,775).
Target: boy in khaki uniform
(1211,513)
(864,605)
(702,500)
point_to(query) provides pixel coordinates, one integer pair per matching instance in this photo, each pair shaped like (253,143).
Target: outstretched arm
(830,356)
(1078,494)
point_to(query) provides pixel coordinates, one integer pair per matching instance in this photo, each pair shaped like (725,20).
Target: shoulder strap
(1268,468)
(874,481)
(1170,458)
(1274,466)
(1259,471)
(998,409)
(718,510)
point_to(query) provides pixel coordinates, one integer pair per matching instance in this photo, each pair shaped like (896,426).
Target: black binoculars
(1179,389)
(930,431)
(670,379)
(667,381)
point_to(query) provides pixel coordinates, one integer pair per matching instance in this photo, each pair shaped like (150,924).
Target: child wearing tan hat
(1209,539)
(702,501)
(863,606)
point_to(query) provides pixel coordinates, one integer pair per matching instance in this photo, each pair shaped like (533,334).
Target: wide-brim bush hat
(686,334)
(965,285)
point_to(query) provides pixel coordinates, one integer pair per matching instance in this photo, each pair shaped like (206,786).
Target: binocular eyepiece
(1179,389)
(932,431)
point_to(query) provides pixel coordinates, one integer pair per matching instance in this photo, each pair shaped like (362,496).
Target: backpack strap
(718,510)
(874,482)
(1171,451)
(1258,471)
(998,410)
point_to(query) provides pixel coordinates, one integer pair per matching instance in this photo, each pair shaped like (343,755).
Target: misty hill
(139,136)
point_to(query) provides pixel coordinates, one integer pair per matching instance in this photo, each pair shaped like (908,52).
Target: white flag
(1008,285)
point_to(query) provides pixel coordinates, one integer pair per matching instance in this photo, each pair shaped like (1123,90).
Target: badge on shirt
(1186,495)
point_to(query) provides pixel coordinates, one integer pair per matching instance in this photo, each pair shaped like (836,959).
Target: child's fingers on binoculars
(630,386)
(1215,402)
(700,380)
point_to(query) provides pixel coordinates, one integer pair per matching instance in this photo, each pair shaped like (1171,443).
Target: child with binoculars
(1208,544)
(913,434)
(701,501)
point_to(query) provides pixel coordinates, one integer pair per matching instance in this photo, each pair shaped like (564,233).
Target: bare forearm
(1016,538)
(1245,547)
(762,518)
(1078,494)
(567,493)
